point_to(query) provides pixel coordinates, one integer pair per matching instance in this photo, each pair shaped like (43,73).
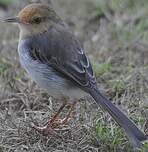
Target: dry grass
(115,37)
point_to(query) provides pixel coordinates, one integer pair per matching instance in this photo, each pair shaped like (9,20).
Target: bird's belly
(47,79)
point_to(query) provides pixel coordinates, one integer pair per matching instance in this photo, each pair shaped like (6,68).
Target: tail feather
(133,133)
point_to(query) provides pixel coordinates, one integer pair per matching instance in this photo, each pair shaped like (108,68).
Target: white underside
(44,76)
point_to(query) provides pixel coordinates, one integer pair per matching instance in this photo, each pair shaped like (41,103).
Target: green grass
(111,138)
(118,86)
(128,30)
(6,1)
(4,66)
(102,68)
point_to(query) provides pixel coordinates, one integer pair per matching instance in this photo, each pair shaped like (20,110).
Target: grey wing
(66,55)
(81,71)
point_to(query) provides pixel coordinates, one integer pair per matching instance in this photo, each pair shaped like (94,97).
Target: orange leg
(70,113)
(55,117)
(52,123)
(55,121)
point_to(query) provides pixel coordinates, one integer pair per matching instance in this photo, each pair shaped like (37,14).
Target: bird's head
(34,18)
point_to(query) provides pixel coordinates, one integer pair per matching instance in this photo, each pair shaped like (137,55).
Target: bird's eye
(37,20)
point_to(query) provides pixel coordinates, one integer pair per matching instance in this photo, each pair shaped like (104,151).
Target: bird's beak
(10,19)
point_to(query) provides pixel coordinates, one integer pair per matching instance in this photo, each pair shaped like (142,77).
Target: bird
(56,60)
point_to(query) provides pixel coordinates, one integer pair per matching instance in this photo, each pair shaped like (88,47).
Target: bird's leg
(70,113)
(55,121)
(52,123)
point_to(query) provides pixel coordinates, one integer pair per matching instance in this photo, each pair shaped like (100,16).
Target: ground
(114,34)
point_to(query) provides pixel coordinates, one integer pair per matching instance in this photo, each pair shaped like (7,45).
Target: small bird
(55,59)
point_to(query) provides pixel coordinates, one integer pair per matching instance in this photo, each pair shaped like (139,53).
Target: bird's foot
(55,121)
(48,129)
(45,131)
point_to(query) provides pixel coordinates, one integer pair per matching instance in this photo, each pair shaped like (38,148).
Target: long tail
(133,133)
